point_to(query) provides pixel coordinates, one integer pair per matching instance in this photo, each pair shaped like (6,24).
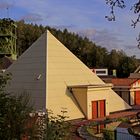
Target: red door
(102,108)
(94,109)
(137,97)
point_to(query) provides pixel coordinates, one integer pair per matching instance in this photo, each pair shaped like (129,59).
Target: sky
(85,17)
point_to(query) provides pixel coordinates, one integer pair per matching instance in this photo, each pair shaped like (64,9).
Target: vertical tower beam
(8,38)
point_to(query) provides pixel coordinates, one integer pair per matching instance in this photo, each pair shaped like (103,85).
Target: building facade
(128,89)
(56,79)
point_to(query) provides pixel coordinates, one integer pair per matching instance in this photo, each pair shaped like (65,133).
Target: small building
(128,89)
(56,79)
(100,72)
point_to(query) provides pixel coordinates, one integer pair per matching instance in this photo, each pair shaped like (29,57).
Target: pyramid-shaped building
(56,79)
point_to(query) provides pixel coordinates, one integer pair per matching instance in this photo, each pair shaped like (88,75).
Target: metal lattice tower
(8,38)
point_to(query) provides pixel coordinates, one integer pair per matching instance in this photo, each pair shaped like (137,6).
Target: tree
(17,119)
(126,66)
(122,4)
(114,59)
(87,51)
(27,34)
(46,126)
(101,57)
(14,113)
(57,128)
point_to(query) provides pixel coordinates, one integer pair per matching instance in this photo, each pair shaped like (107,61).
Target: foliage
(6,22)
(17,118)
(87,51)
(57,128)
(27,34)
(109,134)
(94,133)
(47,126)
(7,44)
(122,4)
(3,81)
(123,119)
(90,131)
(14,112)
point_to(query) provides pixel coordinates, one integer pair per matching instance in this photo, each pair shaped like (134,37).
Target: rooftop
(91,86)
(123,81)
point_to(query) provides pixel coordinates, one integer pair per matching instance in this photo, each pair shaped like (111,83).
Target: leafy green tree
(113,59)
(17,119)
(57,128)
(126,66)
(101,57)
(14,113)
(27,34)
(87,51)
(50,127)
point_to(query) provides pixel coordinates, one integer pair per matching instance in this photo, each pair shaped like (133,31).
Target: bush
(123,119)
(14,112)
(57,128)
(109,134)
(17,119)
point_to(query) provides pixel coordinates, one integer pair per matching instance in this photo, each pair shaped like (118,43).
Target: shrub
(109,134)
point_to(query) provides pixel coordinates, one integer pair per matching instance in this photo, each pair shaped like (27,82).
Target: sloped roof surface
(46,70)
(123,81)
(65,69)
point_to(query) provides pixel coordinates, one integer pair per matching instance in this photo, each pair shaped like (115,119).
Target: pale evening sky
(86,17)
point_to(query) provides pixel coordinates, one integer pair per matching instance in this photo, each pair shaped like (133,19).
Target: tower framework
(8,38)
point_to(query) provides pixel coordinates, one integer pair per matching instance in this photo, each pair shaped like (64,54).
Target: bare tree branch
(113,4)
(121,4)
(138,39)
(136,9)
